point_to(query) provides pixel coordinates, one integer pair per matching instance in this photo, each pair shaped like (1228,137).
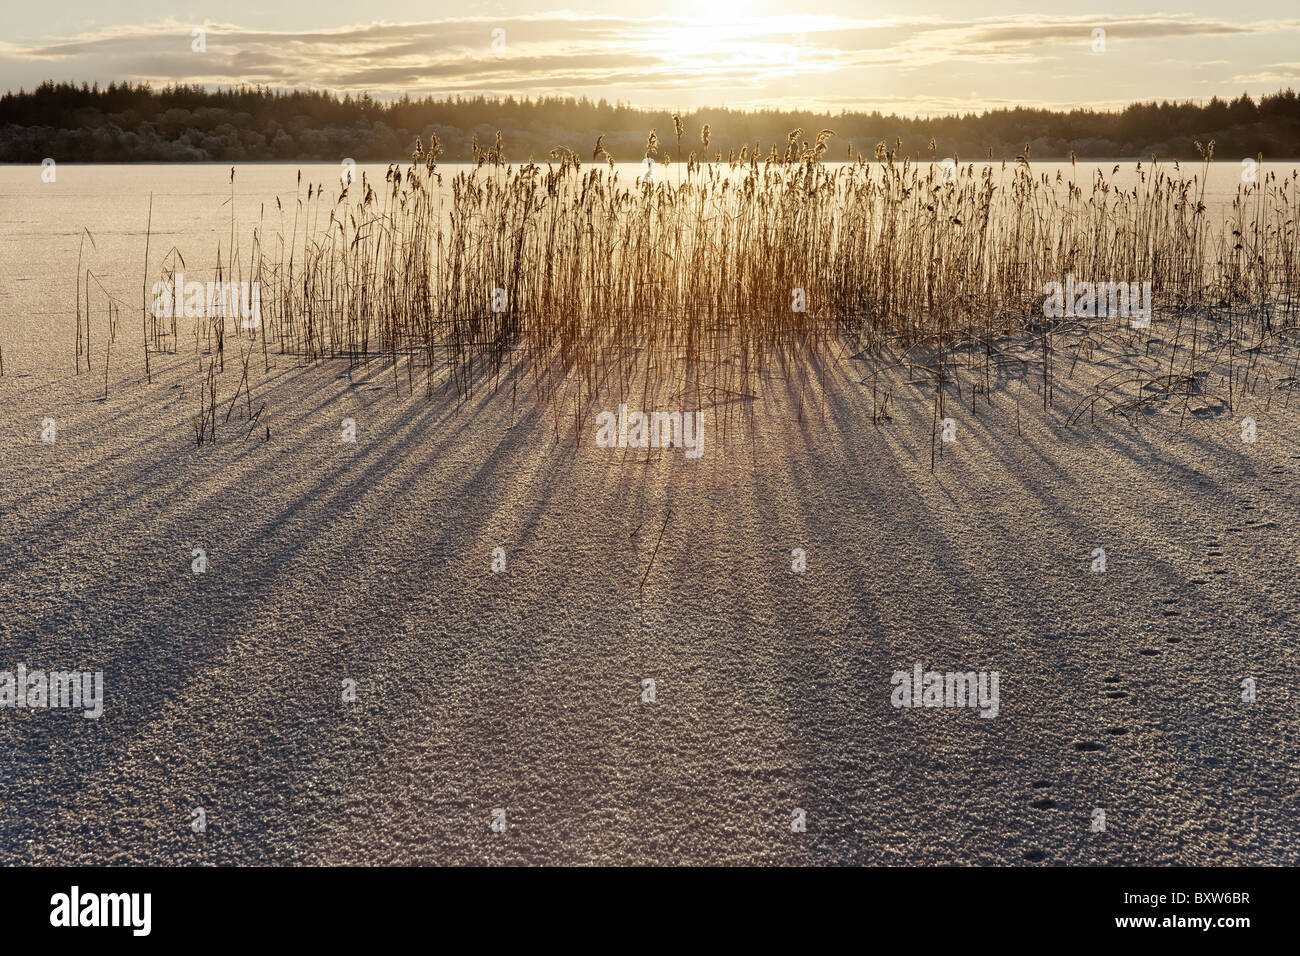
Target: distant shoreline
(189,124)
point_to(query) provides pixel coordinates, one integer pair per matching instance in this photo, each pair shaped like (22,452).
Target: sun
(715,33)
(728,40)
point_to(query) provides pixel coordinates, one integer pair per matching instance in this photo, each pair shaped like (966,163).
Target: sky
(904,56)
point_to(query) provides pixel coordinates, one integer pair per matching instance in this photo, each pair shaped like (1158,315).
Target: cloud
(1274,73)
(644,59)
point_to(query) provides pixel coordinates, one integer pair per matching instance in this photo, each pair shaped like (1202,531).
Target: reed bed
(691,276)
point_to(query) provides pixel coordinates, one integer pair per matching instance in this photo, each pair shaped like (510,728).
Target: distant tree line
(136,123)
